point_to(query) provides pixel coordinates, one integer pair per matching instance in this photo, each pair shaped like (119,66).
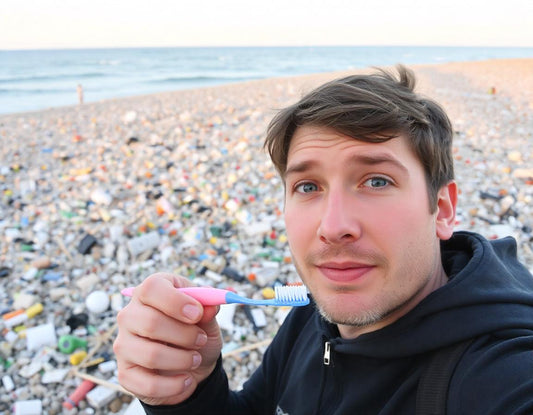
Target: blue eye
(377,182)
(306,188)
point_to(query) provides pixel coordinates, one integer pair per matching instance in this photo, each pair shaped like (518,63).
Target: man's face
(360,229)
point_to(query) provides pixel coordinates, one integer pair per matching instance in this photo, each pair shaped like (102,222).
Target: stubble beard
(362,318)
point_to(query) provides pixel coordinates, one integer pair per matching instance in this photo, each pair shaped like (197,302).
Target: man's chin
(349,318)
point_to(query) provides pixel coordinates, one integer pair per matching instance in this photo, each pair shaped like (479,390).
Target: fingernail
(187,382)
(201,339)
(191,311)
(196,360)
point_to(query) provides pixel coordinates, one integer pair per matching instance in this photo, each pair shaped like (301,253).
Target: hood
(488,292)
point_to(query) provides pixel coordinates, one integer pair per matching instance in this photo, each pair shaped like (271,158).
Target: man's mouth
(344,272)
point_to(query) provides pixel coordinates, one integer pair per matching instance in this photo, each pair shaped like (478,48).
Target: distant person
(370,203)
(80,94)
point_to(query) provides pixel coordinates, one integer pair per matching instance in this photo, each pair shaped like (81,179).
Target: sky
(49,24)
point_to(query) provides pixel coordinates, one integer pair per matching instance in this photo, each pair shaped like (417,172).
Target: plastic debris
(97,302)
(28,407)
(101,396)
(79,393)
(39,336)
(86,244)
(8,383)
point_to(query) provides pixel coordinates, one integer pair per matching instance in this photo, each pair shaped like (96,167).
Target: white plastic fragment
(101,197)
(11,234)
(27,187)
(281,314)
(225,317)
(213,276)
(54,376)
(97,302)
(29,370)
(39,336)
(28,407)
(16,320)
(8,383)
(130,116)
(229,347)
(258,228)
(116,233)
(11,336)
(30,274)
(107,366)
(259,317)
(100,396)
(143,243)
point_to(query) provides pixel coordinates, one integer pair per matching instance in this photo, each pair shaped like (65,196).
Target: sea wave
(201,78)
(112,62)
(34,91)
(55,77)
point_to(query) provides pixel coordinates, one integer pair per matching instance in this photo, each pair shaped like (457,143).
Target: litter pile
(95,198)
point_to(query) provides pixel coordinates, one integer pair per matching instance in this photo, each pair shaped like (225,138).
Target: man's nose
(339,222)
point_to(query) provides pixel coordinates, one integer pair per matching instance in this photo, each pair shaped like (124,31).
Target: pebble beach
(96,197)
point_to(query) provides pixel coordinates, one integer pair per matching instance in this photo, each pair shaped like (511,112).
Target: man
(79,89)
(369,209)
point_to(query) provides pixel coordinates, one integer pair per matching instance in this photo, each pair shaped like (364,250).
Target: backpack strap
(433,386)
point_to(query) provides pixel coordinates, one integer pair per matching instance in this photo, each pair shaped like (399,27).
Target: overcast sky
(36,24)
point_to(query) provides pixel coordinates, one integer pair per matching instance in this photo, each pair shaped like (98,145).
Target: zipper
(326,375)
(326,360)
(327,353)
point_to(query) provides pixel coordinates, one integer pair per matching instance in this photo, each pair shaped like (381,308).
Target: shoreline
(316,78)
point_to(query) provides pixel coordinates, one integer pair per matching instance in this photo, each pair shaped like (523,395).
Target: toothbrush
(288,295)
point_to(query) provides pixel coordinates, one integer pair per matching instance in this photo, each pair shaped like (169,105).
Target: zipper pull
(327,353)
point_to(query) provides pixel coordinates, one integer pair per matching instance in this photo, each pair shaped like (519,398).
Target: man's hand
(167,341)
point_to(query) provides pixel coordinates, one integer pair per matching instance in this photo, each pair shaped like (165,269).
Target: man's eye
(377,182)
(306,188)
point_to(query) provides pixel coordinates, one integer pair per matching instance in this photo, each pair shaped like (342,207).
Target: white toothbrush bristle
(291,293)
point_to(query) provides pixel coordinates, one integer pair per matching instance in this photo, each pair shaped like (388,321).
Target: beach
(96,197)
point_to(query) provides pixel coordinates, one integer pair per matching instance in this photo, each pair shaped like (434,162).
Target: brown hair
(372,108)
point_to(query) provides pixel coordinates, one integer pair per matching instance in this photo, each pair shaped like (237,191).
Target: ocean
(38,79)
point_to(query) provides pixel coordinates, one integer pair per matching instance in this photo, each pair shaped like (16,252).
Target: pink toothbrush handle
(205,295)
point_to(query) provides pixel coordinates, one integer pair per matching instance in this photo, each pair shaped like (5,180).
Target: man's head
(357,157)
(372,108)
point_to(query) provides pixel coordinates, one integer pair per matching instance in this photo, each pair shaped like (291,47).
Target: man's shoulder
(495,375)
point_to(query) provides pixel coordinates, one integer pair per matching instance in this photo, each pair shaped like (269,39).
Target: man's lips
(344,271)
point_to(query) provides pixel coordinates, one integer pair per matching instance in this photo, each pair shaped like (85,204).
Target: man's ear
(445,215)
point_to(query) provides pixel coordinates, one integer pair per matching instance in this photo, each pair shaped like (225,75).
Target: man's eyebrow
(363,159)
(378,158)
(300,167)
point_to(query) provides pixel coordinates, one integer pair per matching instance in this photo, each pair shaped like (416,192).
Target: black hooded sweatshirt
(309,369)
